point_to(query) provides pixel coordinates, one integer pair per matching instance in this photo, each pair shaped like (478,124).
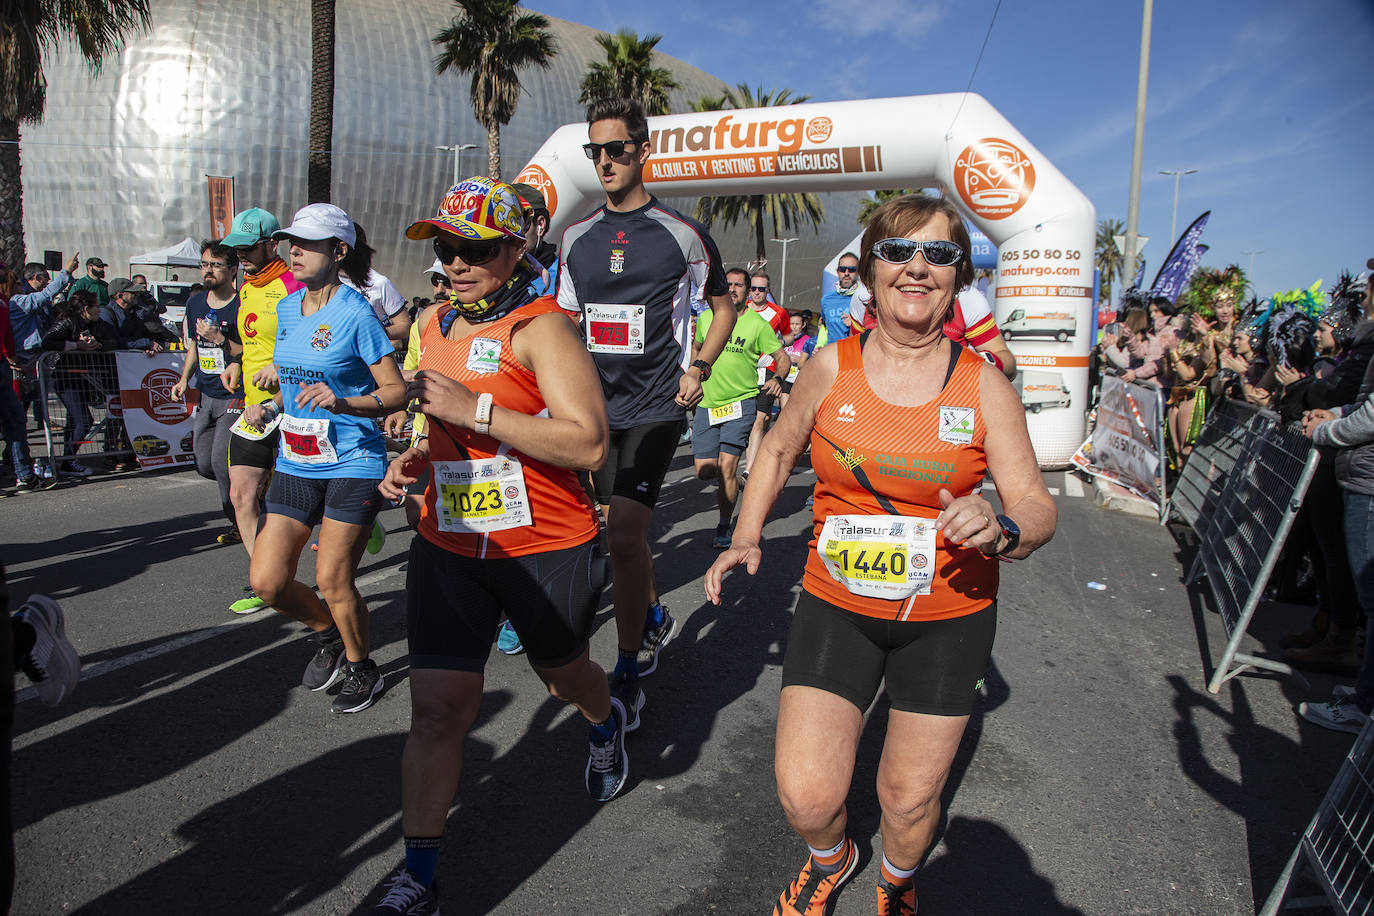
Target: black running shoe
(324,669)
(407,896)
(654,639)
(608,764)
(630,696)
(362,682)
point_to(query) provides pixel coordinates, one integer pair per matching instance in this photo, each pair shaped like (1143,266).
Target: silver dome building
(119,164)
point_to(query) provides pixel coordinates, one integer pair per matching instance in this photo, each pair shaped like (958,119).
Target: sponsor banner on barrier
(1124,446)
(158,426)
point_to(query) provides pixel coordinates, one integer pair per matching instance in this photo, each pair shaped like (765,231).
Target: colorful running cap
(478,208)
(250,227)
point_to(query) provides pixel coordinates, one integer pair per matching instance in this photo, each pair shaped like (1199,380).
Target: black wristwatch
(704,366)
(1011,531)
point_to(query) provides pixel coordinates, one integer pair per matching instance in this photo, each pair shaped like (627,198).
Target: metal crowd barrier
(76,385)
(1336,848)
(1229,429)
(1242,530)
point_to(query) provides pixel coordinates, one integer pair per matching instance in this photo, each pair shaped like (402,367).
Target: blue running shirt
(337,345)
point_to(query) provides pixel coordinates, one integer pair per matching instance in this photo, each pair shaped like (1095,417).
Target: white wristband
(483,420)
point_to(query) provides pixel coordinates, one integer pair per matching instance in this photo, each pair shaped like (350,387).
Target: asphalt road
(191,773)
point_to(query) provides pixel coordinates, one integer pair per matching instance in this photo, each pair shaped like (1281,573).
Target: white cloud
(907,19)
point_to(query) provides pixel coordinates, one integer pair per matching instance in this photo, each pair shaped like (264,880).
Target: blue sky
(1272,102)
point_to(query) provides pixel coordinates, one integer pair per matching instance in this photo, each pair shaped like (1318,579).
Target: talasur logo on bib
(956,425)
(994,177)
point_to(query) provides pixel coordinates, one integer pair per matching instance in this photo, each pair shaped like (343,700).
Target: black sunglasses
(758,289)
(472,254)
(846,270)
(615,149)
(936,253)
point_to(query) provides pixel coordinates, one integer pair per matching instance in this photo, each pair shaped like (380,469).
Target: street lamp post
(1138,149)
(456,148)
(782,290)
(1249,273)
(1173,220)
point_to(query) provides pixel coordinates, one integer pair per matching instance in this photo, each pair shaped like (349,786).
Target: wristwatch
(1011,531)
(702,365)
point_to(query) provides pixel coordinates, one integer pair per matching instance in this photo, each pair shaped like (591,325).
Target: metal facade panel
(118,166)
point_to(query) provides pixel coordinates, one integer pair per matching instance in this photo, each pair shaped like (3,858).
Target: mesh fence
(1338,843)
(1220,446)
(80,397)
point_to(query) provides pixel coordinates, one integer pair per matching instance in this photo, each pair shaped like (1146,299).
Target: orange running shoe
(815,890)
(896,901)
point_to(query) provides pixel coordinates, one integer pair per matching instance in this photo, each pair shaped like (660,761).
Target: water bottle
(212,317)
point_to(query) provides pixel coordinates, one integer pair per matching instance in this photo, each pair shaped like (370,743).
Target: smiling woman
(900,583)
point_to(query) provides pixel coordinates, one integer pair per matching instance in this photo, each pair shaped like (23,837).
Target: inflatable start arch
(1044,227)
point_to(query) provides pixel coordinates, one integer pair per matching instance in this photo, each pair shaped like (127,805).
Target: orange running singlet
(862,446)
(485,499)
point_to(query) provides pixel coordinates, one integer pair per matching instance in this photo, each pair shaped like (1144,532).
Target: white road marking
(1073,486)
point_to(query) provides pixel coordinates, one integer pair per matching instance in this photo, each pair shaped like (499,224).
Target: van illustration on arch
(1059,325)
(1039,389)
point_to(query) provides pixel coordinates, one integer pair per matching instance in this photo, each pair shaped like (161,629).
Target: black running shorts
(454,604)
(930,666)
(638,461)
(354,500)
(260,453)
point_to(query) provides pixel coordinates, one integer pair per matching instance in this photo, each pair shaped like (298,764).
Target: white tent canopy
(185,253)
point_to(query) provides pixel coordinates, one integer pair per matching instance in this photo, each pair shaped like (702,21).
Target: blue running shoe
(508,641)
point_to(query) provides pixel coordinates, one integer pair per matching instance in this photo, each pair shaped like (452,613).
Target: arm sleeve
(1356,428)
(390,297)
(57,336)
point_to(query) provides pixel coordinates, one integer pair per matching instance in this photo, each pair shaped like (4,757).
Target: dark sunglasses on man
(616,149)
(758,289)
(846,270)
(473,254)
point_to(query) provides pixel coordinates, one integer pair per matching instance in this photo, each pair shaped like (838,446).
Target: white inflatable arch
(1043,226)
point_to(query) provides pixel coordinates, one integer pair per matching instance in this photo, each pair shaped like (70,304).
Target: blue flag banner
(1181,262)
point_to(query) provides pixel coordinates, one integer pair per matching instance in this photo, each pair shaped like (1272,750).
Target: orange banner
(221,205)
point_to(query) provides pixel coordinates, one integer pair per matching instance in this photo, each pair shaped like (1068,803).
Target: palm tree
(879,198)
(1108,258)
(320,156)
(781,212)
(629,72)
(29,31)
(493,40)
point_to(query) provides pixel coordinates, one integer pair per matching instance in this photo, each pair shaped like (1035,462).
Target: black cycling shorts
(454,604)
(638,461)
(354,500)
(260,453)
(934,667)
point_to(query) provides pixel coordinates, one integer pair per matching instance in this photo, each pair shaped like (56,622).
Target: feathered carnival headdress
(1211,286)
(1310,301)
(1294,341)
(1345,310)
(1134,298)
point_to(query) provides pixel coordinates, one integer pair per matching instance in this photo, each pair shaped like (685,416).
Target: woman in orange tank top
(900,584)
(514,408)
